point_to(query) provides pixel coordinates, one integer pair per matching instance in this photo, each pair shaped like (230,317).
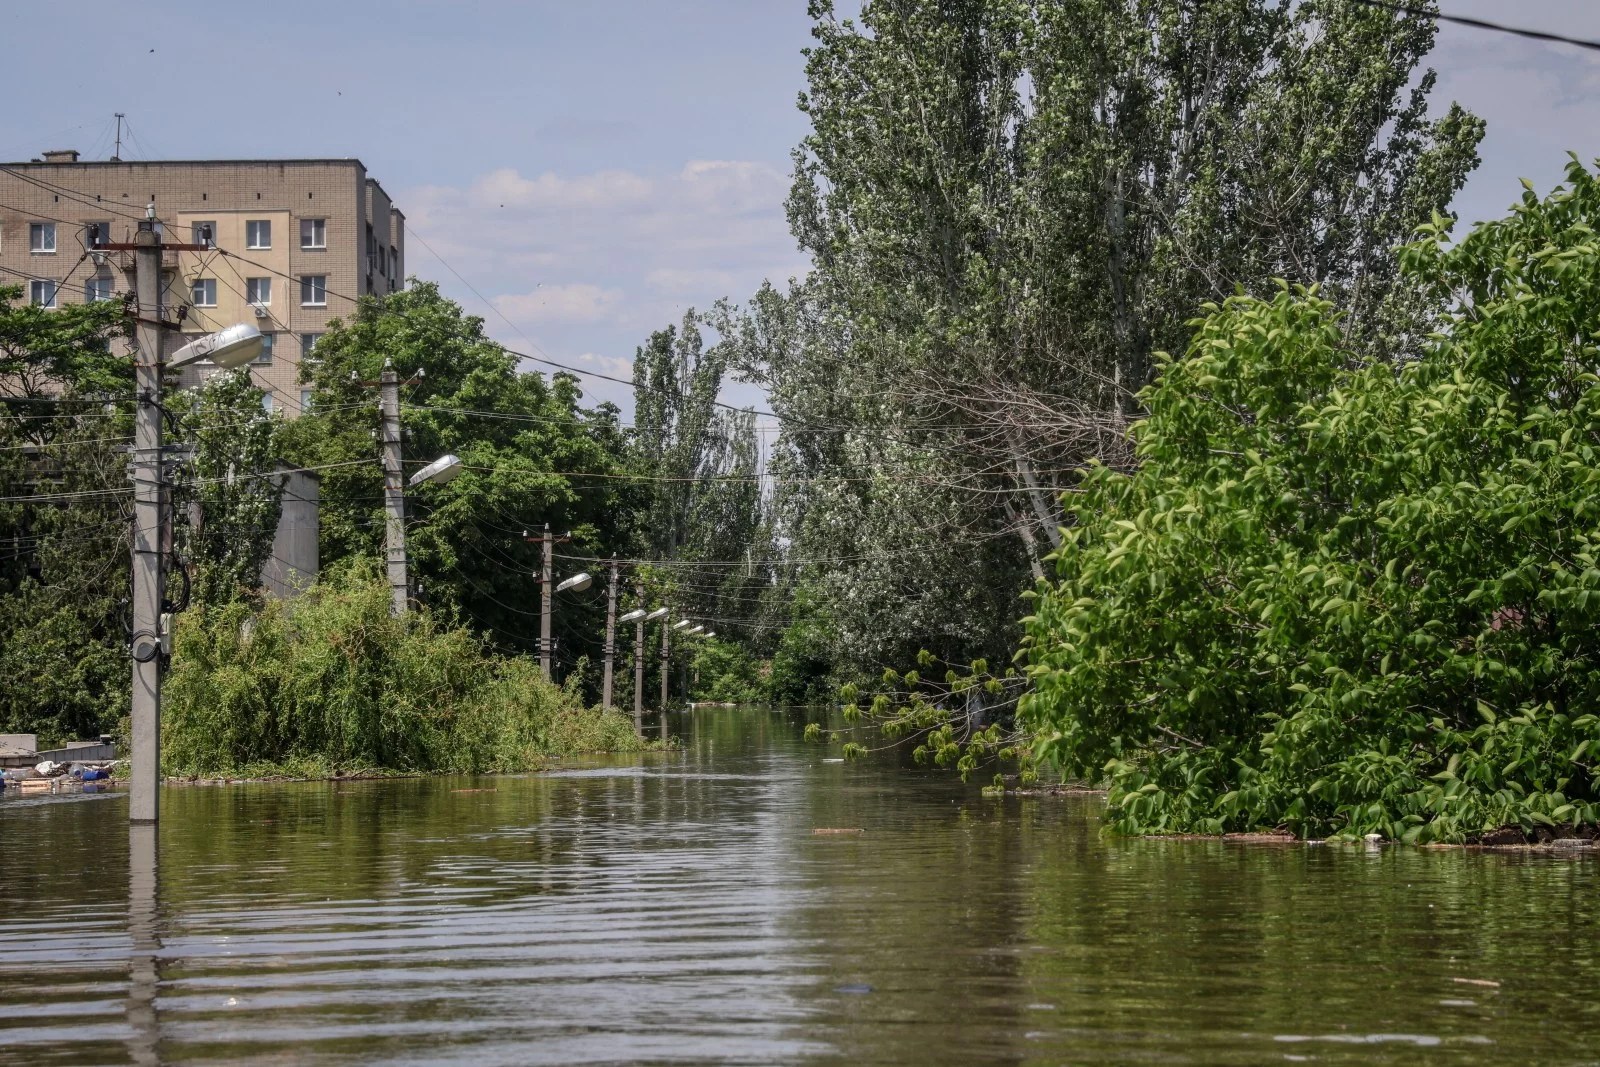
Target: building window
(205,233)
(258,291)
(266,348)
(308,343)
(266,401)
(41,237)
(258,233)
(96,235)
(97,289)
(314,290)
(313,233)
(305,401)
(42,292)
(204,293)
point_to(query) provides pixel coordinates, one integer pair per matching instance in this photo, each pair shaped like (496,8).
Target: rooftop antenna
(116,153)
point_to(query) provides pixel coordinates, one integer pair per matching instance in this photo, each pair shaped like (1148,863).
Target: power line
(1481,24)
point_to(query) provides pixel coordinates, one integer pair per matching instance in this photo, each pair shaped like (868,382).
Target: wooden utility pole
(611,638)
(144,803)
(394,492)
(638,664)
(546,602)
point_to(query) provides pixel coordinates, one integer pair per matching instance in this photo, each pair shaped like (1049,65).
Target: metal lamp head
(578,582)
(711,633)
(231,347)
(680,624)
(633,616)
(659,613)
(440,471)
(692,631)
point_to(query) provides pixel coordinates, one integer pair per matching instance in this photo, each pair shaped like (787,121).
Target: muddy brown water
(680,908)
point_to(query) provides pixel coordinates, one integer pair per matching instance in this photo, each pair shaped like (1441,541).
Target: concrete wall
(294,561)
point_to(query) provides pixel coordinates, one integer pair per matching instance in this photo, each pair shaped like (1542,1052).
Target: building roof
(185,162)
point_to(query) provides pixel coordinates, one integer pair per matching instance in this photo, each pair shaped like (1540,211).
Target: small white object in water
(837,760)
(1373,838)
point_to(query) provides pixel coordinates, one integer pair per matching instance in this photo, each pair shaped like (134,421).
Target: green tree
(533,455)
(232,481)
(699,464)
(64,412)
(1012,205)
(1348,597)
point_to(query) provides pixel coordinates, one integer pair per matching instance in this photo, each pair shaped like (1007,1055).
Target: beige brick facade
(324,219)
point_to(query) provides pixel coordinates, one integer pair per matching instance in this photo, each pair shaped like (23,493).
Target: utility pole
(147,470)
(394,493)
(611,638)
(666,638)
(144,803)
(546,601)
(638,665)
(116,153)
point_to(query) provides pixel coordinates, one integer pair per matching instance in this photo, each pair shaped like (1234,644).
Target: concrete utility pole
(611,638)
(666,638)
(394,493)
(150,538)
(147,534)
(638,665)
(546,600)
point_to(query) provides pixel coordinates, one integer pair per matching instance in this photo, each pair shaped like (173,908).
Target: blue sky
(591,168)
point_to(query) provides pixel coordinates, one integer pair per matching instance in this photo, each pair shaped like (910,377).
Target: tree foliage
(64,412)
(233,482)
(1010,207)
(533,455)
(706,518)
(1347,596)
(333,679)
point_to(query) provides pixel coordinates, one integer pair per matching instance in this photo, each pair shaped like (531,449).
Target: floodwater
(680,908)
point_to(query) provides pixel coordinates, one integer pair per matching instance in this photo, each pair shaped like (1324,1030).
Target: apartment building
(292,244)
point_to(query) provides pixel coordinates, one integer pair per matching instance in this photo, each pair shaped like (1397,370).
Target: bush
(1343,598)
(333,678)
(727,673)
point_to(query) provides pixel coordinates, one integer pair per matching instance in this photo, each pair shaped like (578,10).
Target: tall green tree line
(1011,206)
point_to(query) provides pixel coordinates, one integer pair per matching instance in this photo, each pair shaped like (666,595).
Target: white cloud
(584,266)
(616,366)
(559,303)
(688,281)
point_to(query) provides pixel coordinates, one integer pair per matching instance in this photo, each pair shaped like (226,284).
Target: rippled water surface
(680,908)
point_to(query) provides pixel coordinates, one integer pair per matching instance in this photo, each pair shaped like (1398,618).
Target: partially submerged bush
(1351,599)
(333,677)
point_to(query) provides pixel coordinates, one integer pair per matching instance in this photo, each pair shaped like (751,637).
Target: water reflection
(679,908)
(144,944)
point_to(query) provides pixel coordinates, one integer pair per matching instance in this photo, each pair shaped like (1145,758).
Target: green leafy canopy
(1351,597)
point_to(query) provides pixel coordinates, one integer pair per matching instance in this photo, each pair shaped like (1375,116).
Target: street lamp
(711,633)
(578,583)
(680,624)
(635,615)
(692,632)
(656,614)
(231,347)
(442,470)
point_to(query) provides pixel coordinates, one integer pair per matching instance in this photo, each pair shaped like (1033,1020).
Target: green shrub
(1344,598)
(333,678)
(727,673)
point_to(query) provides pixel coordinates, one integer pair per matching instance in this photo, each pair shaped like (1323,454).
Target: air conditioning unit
(261,312)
